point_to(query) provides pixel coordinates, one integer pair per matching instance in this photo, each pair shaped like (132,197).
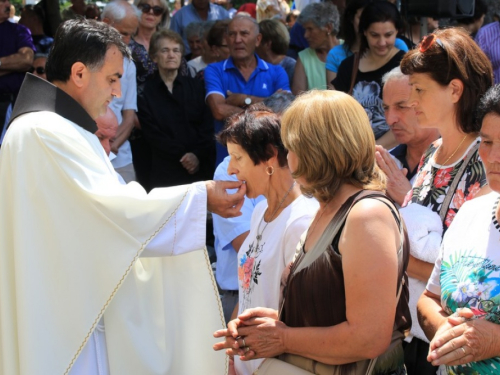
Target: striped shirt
(488,38)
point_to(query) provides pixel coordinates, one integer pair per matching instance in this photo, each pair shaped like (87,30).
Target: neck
(416,149)
(247,63)
(280,192)
(322,51)
(452,147)
(144,35)
(376,59)
(168,76)
(273,58)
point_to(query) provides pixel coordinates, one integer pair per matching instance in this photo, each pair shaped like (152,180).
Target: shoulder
(370,212)
(347,62)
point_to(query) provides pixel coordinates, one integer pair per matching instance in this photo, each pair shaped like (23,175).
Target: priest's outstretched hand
(222,203)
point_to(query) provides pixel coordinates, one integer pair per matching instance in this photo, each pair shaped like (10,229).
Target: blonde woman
(344,301)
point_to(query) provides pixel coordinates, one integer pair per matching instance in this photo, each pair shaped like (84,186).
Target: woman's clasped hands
(256,333)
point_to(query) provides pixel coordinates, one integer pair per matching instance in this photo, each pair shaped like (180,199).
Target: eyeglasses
(145,8)
(39,69)
(428,41)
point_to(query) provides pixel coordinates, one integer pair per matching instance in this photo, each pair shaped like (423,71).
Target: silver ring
(463,350)
(242,339)
(247,349)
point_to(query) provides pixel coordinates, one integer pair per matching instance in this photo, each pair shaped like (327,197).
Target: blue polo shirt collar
(261,64)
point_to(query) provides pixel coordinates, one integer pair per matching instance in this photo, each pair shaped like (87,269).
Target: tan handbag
(274,366)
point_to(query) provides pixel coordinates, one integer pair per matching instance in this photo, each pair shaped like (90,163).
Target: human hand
(237,100)
(190,162)
(222,203)
(465,340)
(397,183)
(263,338)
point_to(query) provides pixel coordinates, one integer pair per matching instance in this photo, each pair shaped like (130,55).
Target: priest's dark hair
(81,40)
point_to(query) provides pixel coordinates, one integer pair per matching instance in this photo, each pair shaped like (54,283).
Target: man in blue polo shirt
(197,11)
(243,79)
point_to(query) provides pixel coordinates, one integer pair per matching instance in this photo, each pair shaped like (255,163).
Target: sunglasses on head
(145,8)
(428,41)
(38,69)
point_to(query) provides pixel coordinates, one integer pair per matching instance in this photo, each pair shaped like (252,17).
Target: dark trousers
(416,353)
(5,100)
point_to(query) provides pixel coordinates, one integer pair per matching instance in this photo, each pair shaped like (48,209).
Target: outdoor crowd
(369,236)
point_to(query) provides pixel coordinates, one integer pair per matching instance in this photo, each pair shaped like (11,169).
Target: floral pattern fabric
(433,181)
(467,273)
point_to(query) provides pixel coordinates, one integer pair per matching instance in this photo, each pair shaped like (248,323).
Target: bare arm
(220,109)
(238,241)
(431,315)
(299,83)
(18,62)
(330,76)
(418,269)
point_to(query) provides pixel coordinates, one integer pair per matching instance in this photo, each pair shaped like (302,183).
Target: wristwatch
(248,101)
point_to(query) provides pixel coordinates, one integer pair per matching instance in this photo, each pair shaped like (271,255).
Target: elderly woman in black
(175,119)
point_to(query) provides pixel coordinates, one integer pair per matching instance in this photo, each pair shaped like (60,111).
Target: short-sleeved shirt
(338,54)
(314,69)
(467,271)
(226,230)
(128,100)
(368,89)
(265,80)
(13,37)
(188,14)
(488,39)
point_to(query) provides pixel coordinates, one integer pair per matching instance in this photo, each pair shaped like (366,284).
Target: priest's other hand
(222,203)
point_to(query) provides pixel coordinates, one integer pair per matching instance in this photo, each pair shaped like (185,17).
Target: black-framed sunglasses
(145,8)
(39,70)
(428,41)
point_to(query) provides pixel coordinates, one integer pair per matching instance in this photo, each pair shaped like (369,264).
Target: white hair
(117,10)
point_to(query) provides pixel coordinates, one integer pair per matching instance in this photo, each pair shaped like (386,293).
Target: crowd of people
(355,202)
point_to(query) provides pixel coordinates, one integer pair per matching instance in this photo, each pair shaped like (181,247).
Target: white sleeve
(186,230)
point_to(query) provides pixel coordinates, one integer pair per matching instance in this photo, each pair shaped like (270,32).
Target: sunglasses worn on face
(38,69)
(428,41)
(145,8)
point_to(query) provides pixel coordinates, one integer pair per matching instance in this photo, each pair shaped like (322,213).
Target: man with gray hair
(243,78)
(124,18)
(400,165)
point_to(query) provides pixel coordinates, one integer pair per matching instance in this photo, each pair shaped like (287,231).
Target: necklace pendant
(259,237)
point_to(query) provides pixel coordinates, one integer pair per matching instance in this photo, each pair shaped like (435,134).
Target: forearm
(17,62)
(223,111)
(430,314)
(340,344)
(418,269)
(125,128)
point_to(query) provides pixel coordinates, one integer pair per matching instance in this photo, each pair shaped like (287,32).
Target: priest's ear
(79,74)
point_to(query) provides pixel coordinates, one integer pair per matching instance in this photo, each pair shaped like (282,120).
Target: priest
(98,277)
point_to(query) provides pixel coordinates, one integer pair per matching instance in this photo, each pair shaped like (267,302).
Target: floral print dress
(433,181)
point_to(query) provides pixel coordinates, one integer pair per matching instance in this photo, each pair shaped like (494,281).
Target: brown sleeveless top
(315,295)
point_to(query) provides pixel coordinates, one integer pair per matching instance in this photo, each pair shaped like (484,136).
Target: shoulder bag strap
(451,190)
(355,67)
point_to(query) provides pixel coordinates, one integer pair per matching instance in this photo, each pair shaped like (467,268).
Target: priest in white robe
(86,286)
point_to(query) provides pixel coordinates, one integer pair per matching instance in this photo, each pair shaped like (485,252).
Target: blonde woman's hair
(330,133)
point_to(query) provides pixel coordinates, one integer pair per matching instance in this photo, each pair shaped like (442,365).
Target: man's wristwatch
(248,101)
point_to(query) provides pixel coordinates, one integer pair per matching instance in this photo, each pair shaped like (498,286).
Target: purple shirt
(13,37)
(488,38)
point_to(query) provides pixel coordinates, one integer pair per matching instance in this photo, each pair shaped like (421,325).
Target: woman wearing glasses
(448,74)
(176,122)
